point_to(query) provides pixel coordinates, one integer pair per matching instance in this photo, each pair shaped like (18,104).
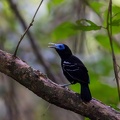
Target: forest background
(58,21)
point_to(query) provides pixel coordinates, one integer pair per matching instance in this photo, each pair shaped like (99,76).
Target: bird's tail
(85,93)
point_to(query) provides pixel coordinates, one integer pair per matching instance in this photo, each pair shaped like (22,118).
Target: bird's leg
(65,85)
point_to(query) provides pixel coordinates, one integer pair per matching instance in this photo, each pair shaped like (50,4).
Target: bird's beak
(52,45)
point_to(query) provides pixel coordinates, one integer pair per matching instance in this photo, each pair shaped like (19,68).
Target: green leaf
(86,25)
(96,6)
(116,11)
(105,43)
(63,31)
(116,22)
(68,29)
(115,29)
(116,15)
(57,2)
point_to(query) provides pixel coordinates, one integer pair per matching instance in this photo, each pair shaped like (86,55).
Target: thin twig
(33,43)
(115,14)
(109,30)
(27,29)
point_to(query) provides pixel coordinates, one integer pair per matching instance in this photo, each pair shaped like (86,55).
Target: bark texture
(42,86)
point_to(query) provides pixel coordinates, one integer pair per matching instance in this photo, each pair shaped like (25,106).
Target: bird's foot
(65,85)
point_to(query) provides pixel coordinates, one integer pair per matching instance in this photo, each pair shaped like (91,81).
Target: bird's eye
(60,46)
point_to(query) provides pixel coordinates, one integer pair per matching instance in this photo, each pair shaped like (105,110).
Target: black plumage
(74,70)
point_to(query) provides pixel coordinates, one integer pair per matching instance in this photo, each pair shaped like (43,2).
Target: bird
(74,70)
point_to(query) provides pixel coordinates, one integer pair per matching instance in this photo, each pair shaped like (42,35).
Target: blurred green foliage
(60,24)
(86,25)
(63,31)
(104,42)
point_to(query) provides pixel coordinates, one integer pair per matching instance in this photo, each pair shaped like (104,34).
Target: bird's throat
(64,55)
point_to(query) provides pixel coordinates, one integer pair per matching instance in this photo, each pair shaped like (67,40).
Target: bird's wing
(77,71)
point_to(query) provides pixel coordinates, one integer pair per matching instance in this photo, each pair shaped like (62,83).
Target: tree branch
(42,86)
(109,30)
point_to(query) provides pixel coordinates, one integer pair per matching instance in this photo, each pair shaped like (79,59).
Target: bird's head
(62,49)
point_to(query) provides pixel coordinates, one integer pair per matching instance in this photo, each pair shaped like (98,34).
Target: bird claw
(65,85)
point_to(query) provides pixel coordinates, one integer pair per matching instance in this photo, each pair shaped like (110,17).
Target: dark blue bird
(74,70)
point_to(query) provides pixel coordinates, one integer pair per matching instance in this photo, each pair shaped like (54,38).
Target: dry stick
(109,30)
(27,29)
(37,52)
